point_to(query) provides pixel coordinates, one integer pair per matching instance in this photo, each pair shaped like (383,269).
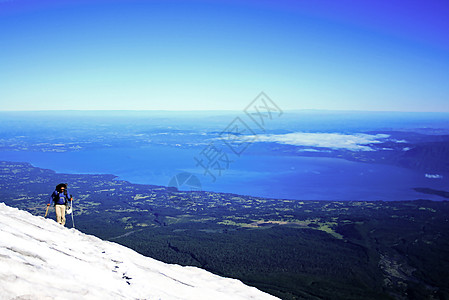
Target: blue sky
(202,55)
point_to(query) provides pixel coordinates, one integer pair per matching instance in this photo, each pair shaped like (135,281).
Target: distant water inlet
(273,176)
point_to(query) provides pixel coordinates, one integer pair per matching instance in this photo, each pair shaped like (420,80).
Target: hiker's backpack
(55,194)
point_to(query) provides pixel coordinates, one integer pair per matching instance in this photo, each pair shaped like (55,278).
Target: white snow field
(40,259)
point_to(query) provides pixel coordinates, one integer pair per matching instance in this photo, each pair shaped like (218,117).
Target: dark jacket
(59,198)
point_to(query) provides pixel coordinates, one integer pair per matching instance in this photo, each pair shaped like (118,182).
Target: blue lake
(274,176)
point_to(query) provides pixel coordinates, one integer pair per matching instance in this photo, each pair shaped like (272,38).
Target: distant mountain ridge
(427,157)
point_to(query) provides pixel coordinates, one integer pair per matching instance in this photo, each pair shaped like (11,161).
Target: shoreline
(113,177)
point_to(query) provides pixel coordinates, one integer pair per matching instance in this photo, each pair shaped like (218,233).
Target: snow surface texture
(40,259)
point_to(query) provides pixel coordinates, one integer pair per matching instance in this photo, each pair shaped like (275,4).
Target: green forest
(290,249)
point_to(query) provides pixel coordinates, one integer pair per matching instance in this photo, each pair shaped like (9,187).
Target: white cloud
(434,176)
(353,142)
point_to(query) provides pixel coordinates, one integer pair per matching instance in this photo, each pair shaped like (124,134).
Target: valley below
(290,248)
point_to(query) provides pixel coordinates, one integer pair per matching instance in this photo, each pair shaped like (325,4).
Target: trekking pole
(73,222)
(46,212)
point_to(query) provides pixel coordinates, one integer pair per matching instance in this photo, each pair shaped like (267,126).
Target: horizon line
(218,110)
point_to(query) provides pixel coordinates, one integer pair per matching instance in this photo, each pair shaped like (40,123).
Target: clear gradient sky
(201,55)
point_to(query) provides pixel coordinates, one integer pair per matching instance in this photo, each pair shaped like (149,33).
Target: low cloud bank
(353,142)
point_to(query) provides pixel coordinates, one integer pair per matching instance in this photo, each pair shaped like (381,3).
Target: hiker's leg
(59,209)
(58,214)
(63,215)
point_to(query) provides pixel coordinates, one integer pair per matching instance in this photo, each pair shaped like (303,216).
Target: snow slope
(40,259)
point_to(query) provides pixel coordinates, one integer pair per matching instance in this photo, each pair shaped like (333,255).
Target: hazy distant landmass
(433,192)
(354,155)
